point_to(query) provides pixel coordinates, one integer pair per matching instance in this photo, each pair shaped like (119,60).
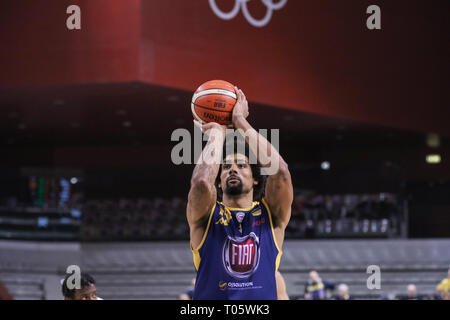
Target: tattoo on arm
(206,170)
(209,161)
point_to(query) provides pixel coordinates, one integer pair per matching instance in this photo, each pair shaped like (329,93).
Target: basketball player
(237,237)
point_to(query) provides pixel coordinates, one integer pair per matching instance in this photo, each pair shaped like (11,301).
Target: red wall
(316,56)
(37,47)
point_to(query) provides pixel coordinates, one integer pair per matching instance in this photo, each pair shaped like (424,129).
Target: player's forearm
(208,163)
(264,151)
(204,174)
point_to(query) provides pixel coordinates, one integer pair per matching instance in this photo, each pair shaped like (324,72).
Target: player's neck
(241,201)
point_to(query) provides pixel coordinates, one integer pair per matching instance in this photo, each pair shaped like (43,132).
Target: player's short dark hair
(241,144)
(85,281)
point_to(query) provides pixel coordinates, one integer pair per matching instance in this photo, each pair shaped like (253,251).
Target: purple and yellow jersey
(238,255)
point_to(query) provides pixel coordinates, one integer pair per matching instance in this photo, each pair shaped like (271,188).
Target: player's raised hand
(241,107)
(211,128)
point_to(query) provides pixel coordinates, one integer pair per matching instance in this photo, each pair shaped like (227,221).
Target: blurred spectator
(189,293)
(343,292)
(443,288)
(316,288)
(411,293)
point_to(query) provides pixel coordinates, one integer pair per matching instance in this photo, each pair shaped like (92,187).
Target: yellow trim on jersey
(241,209)
(227,216)
(195,253)
(280,252)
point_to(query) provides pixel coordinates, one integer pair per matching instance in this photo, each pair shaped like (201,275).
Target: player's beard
(234,189)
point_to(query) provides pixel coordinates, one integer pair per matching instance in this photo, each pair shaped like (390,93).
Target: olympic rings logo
(270,5)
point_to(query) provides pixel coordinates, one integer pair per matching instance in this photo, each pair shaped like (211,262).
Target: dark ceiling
(130,125)
(136,113)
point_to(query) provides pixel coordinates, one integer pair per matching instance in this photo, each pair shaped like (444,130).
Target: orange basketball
(214,102)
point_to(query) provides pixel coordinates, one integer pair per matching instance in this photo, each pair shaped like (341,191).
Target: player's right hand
(211,128)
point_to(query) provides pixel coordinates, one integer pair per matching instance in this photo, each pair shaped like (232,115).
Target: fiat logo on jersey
(241,255)
(270,5)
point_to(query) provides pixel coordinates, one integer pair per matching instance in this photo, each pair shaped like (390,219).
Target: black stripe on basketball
(197,105)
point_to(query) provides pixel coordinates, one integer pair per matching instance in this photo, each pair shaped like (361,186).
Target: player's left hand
(240,109)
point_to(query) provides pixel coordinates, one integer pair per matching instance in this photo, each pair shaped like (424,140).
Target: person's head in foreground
(87,290)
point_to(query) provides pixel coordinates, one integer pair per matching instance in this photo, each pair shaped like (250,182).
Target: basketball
(213,101)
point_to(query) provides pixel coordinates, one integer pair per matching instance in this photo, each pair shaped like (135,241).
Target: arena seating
(313,216)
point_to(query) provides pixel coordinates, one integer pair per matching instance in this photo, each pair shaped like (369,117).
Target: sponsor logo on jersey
(256,213)
(225,217)
(258,222)
(223,285)
(241,255)
(240,216)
